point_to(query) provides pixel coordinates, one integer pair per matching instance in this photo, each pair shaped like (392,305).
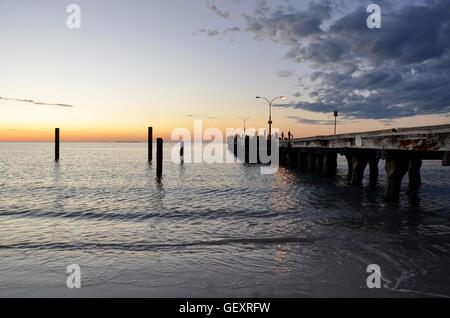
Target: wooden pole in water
(159,156)
(247,149)
(56,144)
(150,143)
(182,151)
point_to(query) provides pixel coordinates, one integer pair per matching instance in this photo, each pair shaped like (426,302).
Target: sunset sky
(164,63)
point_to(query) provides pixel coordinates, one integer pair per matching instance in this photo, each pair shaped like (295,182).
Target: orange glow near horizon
(115,122)
(163,129)
(82,134)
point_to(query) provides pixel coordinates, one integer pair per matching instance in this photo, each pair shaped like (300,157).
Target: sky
(164,63)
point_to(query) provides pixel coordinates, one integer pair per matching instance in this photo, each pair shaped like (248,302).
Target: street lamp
(244,119)
(336,114)
(270,111)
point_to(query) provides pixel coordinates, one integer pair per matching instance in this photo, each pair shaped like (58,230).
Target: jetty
(402,149)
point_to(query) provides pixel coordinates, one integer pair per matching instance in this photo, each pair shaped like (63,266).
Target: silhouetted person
(290,136)
(282,135)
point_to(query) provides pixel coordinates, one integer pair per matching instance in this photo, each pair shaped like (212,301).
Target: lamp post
(270,102)
(244,119)
(336,114)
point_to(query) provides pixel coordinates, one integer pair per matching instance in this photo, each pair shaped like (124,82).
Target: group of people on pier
(290,136)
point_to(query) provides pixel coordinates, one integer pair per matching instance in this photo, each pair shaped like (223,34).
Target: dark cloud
(287,25)
(211,5)
(209,32)
(306,121)
(33,102)
(213,33)
(402,69)
(232,29)
(285,74)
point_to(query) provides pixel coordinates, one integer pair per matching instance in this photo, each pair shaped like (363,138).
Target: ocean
(211,230)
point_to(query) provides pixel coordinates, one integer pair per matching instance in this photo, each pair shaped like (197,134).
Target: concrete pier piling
(295,159)
(150,144)
(319,162)
(311,160)
(446,159)
(415,180)
(283,157)
(396,169)
(290,158)
(298,158)
(159,157)
(302,160)
(373,168)
(359,164)
(329,164)
(56,144)
(349,164)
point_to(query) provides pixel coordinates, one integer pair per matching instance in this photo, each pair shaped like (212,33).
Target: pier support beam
(396,169)
(446,159)
(311,158)
(283,157)
(349,164)
(373,166)
(329,164)
(319,162)
(302,160)
(288,160)
(298,159)
(150,144)
(415,179)
(359,163)
(293,158)
(56,144)
(159,157)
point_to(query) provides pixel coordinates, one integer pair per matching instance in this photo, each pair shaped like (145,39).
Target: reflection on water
(211,230)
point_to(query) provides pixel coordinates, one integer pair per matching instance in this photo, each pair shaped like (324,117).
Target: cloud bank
(400,70)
